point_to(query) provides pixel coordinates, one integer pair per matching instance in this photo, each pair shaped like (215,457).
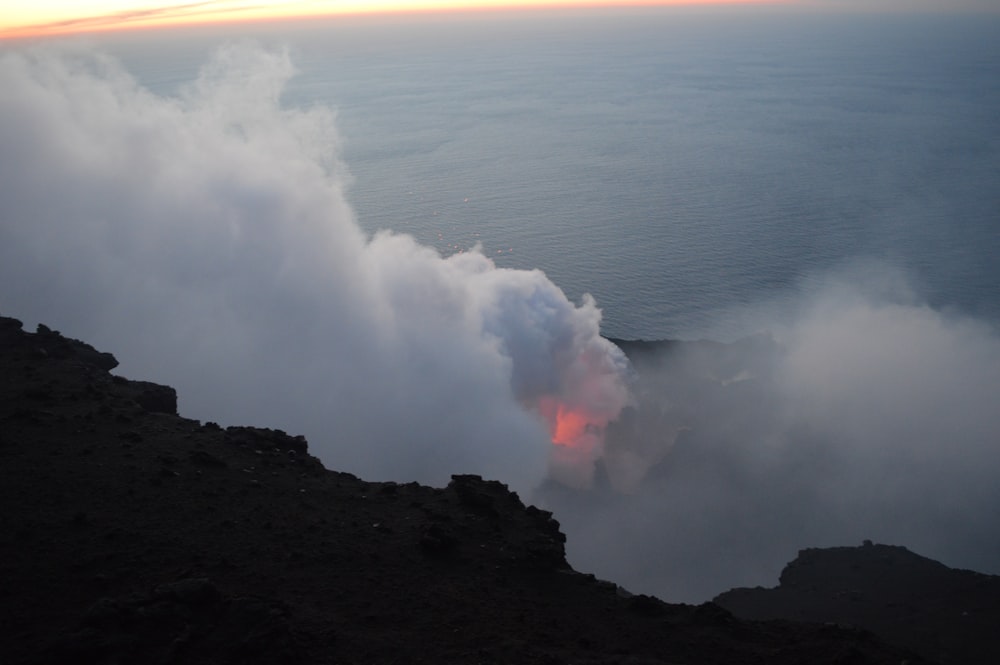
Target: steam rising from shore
(207,241)
(865,415)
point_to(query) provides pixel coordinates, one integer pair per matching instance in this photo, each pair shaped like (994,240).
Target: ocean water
(689,169)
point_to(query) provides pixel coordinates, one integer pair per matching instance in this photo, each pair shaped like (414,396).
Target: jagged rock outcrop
(945,614)
(131,535)
(51,343)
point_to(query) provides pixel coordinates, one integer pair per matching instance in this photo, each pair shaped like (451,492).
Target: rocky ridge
(132,535)
(946,614)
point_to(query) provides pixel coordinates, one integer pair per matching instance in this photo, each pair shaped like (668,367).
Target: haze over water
(686,168)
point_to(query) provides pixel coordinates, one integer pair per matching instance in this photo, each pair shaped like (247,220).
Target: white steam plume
(867,415)
(206,241)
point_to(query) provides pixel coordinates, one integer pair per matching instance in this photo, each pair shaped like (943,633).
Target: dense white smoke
(865,415)
(206,241)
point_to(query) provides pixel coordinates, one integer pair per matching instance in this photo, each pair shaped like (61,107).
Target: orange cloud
(56,17)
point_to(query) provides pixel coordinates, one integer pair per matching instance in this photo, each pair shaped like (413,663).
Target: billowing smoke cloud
(205,239)
(865,415)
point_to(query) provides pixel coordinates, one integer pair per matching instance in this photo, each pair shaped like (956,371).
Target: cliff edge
(947,615)
(130,534)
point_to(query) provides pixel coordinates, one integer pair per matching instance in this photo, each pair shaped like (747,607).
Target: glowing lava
(577,439)
(566,424)
(591,390)
(569,426)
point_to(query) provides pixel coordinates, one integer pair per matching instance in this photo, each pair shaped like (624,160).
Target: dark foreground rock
(182,621)
(131,535)
(945,614)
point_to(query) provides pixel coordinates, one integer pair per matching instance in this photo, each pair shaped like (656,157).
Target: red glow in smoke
(567,425)
(577,438)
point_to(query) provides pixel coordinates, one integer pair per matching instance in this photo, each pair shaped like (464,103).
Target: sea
(685,167)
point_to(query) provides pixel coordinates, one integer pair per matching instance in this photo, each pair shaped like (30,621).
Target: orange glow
(577,441)
(54,17)
(566,425)
(569,427)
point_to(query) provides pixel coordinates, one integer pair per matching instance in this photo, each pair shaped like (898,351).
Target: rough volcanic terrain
(131,535)
(951,616)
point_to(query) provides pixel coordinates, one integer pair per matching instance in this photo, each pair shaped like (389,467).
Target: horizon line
(213,12)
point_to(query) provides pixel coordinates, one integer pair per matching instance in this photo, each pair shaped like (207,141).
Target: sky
(53,17)
(19,18)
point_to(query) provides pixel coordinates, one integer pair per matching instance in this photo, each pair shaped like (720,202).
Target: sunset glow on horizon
(59,17)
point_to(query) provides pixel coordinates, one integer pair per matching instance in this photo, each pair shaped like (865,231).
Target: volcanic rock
(184,621)
(131,535)
(945,614)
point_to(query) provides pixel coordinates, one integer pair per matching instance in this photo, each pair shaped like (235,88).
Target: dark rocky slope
(949,615)
(131,535)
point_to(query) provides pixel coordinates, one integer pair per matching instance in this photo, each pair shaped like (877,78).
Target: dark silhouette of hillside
(130,534)
(945,614)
